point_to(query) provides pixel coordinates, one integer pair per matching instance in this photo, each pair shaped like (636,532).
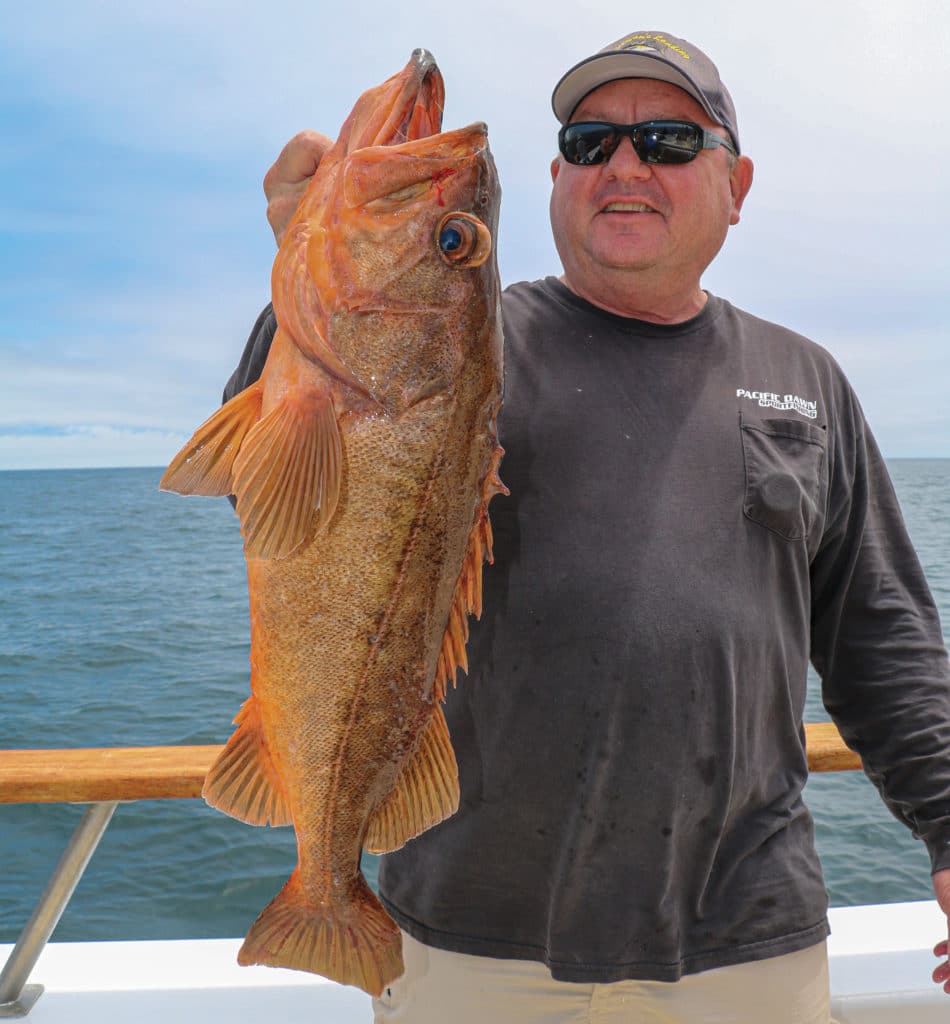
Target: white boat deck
(180,982)
(881,962)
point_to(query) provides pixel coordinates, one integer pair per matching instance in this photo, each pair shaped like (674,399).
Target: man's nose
(625,163)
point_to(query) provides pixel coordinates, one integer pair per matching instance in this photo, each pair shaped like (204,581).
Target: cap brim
(608,67)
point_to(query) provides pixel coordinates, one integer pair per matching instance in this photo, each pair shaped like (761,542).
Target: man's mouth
(623,207)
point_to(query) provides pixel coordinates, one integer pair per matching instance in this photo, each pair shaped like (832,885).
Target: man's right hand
(287,180)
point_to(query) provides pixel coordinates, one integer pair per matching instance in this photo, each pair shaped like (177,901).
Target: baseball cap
(656,55)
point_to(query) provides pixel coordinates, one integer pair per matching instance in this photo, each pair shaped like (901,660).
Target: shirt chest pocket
(784,463)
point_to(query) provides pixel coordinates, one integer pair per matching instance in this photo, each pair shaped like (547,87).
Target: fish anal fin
(244,782)
(426,792)
(288,473)
(205,464)
(353,942)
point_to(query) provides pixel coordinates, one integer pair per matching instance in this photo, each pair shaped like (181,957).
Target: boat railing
(104,777)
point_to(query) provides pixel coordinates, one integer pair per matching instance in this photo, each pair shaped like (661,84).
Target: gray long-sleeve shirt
(695,511)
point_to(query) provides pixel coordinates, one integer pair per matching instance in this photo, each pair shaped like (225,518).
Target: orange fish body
(362,462)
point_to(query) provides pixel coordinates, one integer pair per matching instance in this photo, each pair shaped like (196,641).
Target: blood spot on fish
(437,180)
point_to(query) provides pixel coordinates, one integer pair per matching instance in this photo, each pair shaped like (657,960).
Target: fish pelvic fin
(426,792)
(288,472)
(205,464)
(467,597)
(353,942)
(244,782)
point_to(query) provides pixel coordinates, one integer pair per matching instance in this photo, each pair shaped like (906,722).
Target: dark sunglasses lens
(588,143)
(656,142)
(669,143)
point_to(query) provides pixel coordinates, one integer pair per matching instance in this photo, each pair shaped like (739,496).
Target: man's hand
(287,180)
(941,882)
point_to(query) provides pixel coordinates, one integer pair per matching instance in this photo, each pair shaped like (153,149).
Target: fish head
(399,242)
(412,249)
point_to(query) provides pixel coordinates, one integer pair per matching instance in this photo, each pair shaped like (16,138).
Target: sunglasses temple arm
(712,141)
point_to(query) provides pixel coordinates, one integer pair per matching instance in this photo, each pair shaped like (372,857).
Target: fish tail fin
(353,942)
(205,464)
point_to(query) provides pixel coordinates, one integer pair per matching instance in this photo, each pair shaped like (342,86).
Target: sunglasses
(589,143)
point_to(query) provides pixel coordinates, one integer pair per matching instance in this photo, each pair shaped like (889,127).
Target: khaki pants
(453,988)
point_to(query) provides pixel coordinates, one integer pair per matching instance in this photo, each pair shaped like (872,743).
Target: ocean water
(123,622)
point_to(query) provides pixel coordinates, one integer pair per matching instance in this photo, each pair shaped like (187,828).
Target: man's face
(627,215)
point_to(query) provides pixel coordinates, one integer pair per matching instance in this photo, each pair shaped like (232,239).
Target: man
(697,507)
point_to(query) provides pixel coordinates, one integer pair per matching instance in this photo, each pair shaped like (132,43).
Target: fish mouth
(424,116)
(408,106)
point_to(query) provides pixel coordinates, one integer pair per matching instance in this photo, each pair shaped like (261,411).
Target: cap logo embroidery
(641,41)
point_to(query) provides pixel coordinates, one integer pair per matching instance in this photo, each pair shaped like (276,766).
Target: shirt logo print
(785,403)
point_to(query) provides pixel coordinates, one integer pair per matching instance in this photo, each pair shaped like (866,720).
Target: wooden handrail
(827,751)
(110,773)
(158,773)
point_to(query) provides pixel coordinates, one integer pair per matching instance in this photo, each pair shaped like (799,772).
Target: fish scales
(362,462)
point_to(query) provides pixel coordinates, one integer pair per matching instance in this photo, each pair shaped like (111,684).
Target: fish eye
(463,240)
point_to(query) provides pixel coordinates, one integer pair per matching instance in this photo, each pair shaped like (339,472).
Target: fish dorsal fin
(467,597)
(244,781)
(426,792)
(205,464)
(287,475)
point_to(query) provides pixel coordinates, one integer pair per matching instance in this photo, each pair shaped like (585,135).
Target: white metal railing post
(16,997)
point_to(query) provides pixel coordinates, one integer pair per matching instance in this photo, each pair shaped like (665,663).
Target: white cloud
(89,447)
(138,283)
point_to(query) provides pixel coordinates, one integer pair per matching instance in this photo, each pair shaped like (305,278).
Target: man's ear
(740,181)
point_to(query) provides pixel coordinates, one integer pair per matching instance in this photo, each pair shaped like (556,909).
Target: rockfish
(362,463)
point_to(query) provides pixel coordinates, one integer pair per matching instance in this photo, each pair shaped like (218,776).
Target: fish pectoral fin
(244,781)
(287,475)
(426,792)
(205,464)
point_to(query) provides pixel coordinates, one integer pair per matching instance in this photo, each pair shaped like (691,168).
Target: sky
(135,254)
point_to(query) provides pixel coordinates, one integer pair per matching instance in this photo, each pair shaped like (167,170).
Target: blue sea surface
(123,622)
